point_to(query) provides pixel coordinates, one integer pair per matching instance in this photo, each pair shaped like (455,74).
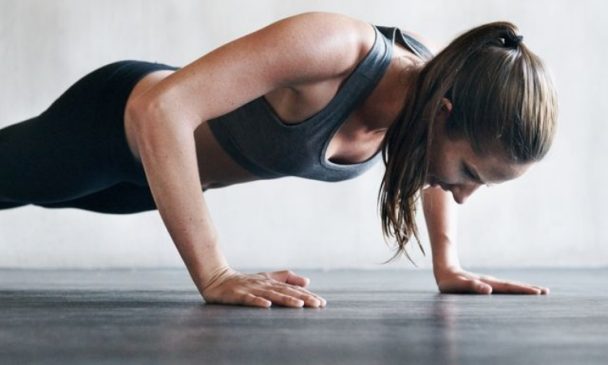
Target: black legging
(75,153)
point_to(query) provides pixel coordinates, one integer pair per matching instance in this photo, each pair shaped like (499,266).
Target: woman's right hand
(260,290)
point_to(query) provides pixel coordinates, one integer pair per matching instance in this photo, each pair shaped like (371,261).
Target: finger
(310,299)
(511,287)
(543,290)
(301,290)
(480,287)
(465,286)
(254,300)
(288,279)
(282,299)
(515,288)
(288,276)
(298,280)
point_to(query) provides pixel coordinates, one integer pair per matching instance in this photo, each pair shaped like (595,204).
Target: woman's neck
(392,93)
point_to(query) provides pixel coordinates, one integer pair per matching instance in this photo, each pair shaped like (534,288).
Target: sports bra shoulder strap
(407,40)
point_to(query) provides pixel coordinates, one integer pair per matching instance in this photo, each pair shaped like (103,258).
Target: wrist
(443,267)
(445,256)
(213,265)
(210,272)
(213,277)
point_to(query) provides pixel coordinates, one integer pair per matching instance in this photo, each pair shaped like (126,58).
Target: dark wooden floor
(372,317)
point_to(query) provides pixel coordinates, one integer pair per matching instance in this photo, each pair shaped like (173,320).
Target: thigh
(48,158)
(77,146)
(121,198)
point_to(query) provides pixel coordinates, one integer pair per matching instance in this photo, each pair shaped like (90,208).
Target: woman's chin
(428,185)
(430,182)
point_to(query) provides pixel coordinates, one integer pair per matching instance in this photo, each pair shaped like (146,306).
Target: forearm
(441,220)
(440,212)
(168,155)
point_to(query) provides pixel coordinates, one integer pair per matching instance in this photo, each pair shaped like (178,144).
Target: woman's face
(456,168)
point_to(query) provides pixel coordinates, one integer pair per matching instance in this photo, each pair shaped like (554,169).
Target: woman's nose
(462,192)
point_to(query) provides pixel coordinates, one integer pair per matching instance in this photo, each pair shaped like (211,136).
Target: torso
(354,142)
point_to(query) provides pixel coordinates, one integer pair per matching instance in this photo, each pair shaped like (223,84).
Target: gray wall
(552,216)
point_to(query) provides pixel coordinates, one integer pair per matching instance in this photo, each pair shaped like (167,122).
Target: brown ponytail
(503,100)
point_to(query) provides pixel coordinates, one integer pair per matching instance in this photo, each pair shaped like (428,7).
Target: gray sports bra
(258,140)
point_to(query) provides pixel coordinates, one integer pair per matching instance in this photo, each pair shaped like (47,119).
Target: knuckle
(284,296)
(287,299)
(303,293)
(296,301)
(312,297)
(247,297)
(278,286)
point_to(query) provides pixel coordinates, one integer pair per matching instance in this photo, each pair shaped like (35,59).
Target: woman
(316,95)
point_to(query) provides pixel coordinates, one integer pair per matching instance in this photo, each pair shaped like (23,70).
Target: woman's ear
(446,105)
(445,110)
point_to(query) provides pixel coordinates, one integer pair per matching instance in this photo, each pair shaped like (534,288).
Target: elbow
(141,127)
(140,113)
(134,116)
(137,120)
(151,127)
(145,116)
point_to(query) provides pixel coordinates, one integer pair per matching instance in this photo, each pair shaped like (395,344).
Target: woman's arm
(440,213)
(300,49)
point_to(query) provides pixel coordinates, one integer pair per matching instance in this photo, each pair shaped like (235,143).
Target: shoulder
(332,42)
(326,25)
(303,49)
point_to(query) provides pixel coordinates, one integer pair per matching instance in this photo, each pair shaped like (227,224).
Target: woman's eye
(468,173)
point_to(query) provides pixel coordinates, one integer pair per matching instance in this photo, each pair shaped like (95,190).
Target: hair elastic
(512,40)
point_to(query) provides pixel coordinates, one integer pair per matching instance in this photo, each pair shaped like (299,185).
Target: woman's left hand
(457,280)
